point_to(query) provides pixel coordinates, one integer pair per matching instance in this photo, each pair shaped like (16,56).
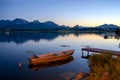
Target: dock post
(87,53)
(82,52)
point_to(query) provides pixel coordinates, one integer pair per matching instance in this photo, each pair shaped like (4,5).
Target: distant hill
(14,22)
(21,24)
(78,27)
(19,21)
(108,26)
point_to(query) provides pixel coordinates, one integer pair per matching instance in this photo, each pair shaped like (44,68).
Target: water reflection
(52,64)
(11,53)
(111,36)
(21,37)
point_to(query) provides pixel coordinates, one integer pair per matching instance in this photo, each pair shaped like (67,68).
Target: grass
(101,63)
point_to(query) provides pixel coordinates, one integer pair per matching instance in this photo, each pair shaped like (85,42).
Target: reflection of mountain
(52,64)
(110,35)
(21,37)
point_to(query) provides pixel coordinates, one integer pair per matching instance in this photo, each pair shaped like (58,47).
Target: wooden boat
(50,57)
(51,64)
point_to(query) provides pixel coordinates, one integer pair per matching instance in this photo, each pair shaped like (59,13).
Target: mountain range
(21,24)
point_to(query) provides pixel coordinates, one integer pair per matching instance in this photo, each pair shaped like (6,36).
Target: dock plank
(101,51)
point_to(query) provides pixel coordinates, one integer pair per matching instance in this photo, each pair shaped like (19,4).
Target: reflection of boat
(50,57)
(85,57)
(51,64)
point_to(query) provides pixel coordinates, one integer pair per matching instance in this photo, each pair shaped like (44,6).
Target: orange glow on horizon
(86,23)
(90,25)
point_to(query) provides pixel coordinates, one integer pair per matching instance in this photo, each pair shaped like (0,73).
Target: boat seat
(55,54)
(35,56)
(65,52)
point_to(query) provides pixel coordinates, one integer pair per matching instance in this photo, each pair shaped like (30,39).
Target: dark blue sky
(67,12)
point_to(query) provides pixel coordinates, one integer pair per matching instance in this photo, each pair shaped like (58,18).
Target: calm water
(16,47)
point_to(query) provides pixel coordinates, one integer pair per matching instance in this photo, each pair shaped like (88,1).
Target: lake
(17,47)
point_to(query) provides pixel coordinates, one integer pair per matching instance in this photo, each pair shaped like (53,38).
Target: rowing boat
(51,57)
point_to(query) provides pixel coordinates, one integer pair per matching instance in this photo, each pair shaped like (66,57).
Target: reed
(101,63)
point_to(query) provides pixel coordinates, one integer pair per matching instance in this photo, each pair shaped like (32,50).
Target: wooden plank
(101,51)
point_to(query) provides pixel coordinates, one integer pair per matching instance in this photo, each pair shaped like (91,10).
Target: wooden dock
(97,50)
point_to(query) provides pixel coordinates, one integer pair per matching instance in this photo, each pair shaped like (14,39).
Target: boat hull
(46,58)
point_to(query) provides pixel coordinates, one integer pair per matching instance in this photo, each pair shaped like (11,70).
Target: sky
(63,12)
